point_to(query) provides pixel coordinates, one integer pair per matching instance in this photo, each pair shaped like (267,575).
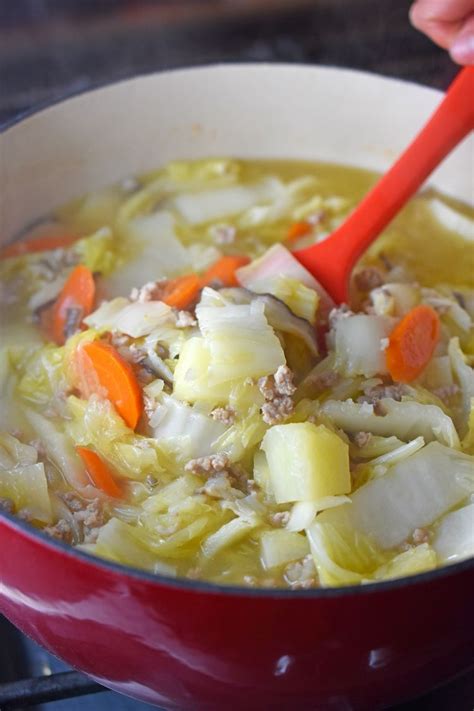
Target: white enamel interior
(260,111)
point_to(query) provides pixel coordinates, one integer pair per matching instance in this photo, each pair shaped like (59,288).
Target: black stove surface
(52,48)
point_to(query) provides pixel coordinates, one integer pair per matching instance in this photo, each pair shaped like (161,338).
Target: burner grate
(36,690)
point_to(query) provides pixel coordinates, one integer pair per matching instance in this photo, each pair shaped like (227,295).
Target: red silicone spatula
(332,260)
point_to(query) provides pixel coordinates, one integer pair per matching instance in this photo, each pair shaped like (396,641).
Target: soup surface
(178,394)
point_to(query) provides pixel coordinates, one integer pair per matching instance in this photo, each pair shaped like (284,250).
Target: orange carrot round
(181,292)
(75,301)
(40,244)
(223,271)
(297,230)
(117,378)
(412,343)
(99,472)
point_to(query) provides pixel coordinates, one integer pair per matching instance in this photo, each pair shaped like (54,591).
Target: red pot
(189,645)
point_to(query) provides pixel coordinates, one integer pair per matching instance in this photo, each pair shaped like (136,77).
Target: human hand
(449,23)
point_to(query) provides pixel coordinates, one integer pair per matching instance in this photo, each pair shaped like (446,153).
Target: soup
(180,395)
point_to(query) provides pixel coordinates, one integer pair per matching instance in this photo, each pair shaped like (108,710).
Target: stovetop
(53,48)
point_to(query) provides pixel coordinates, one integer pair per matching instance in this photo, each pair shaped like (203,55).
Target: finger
(462,47)
(441,20)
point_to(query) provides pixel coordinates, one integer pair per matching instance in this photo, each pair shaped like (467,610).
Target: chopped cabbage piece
(465,377)
(99,252)
(206,205)
(306,462)
(59,448)
(407,419)
(134,319)
(342,555)
(13,452)
(155,252)
(438,373)
(43,376)
(27,487)
(188,432)
(359,344)
(412,494)
(191,375)
(396,455)
(414,560)
(468,441)
(454,539)
(240,341)
(394,299)
(228,534)
(22,479)
(280,547)
(95,423)
(124,543)
(242,437)
(302,300)
(303,513)
(172,494)
(261,474)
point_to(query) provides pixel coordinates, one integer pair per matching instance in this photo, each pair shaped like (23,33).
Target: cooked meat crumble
(277,390)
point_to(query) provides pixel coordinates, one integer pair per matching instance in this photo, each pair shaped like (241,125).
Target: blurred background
(52,48)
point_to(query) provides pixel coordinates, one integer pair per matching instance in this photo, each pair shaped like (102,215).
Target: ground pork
(368,278)
(382,302)
(61,531)
(301,574)
(362,438)
(378,392)
(87,515)
(335,315)
(420,535)
(447,392)
(218,486)
(277,390)
(316,217)
(223,234)
(6,505)
(208,465)
(279,519)
(185,319)
(151,291)
(226,415)
(322,381)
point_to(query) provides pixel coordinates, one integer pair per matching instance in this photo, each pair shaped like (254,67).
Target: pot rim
(46,104)
(199,586)
(157,579)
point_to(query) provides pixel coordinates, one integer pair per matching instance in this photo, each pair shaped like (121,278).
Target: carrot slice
(99,472)
(75,301)
(40,244)
(181,292)
(117,378)
(412,343)
(297,230)
(224,269)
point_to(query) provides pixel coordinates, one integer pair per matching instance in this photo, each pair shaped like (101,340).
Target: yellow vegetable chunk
(191,376)
(306,462)
(280,547)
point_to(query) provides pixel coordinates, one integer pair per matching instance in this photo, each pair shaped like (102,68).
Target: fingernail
(462,50)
